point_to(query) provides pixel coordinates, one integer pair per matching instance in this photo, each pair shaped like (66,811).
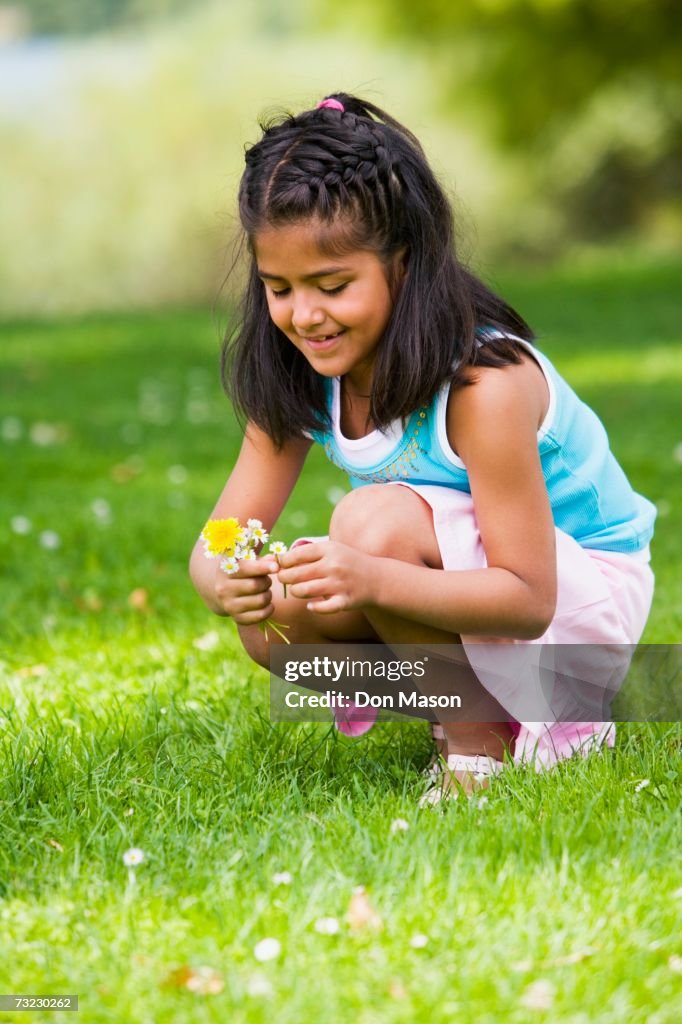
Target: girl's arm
(258,487)
(492,425)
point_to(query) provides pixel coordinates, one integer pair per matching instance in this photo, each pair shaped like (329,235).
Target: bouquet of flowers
(233,543)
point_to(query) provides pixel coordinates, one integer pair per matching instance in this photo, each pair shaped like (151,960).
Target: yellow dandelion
(221,536)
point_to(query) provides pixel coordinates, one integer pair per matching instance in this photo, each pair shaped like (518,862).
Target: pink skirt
(603,602)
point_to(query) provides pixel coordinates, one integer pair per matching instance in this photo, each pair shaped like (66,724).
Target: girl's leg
(395,522)
(304,627)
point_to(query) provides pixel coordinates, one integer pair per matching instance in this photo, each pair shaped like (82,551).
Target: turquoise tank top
(590,495)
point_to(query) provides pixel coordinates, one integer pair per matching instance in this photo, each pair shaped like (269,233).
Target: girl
(506,517)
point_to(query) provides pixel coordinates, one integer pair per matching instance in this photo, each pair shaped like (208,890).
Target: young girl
(506,518)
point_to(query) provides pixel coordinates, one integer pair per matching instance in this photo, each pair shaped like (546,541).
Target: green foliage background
(556,123)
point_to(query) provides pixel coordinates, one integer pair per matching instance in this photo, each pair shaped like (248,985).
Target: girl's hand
(331,577)
(246,596)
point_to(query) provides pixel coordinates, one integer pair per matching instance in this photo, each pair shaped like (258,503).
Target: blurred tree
(589,91)
(81,17)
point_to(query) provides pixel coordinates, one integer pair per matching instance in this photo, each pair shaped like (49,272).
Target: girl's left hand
(331,577)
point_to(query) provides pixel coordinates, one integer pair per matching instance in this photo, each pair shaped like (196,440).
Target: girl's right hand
(246,596)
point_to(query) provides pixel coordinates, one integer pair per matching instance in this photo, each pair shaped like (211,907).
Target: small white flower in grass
(133,857)
(482,801)
(208,642)
(419,940)
(257,985)
(282,878)
(267,949)
(44,434)
(335,494)
(177,475)
(327,926)
(399,825)
(539,995)
(101,510)
(642,784)
(50,540)
(21,525)
(128,812)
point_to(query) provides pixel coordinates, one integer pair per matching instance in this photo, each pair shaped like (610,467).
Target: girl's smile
(334,309)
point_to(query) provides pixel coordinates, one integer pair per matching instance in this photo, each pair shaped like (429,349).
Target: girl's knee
(386,521)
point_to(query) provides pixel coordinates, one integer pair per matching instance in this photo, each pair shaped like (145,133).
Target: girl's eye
(325,291)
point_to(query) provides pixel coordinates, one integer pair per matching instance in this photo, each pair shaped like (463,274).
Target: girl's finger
(327,606)
(309,589)
(302,554)
(257,567)
(254,617)
(254,602)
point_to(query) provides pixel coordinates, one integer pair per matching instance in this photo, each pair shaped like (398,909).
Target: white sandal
(479,768)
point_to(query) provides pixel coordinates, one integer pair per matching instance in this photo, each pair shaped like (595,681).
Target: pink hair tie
(331,105)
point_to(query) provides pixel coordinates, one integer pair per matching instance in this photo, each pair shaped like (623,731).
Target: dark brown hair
(362,168)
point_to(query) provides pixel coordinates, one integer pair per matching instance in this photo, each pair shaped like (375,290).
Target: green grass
(569,880)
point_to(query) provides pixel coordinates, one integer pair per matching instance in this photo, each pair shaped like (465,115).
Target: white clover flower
(282,878)
(44,434)
(335,494)
(257,985)
(177,474)
(327,926)
(278,547)
(418,941)
(133,857)
(207,642)
(399,825)
(230,565)
(101,510)
(21,525)
(50,540)
(267,949)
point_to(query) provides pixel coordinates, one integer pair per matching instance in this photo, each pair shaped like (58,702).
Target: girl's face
(334,309)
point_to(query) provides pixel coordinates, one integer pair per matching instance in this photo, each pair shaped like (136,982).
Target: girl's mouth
(323,342)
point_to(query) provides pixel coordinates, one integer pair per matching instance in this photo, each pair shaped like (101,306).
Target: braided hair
(358,168)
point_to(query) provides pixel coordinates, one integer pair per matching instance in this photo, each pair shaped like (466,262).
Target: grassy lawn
(130,718)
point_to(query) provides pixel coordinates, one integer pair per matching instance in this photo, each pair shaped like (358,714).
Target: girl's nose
(306,314)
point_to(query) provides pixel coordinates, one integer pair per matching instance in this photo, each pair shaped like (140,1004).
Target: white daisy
(282,878)
(133,857)
(267,949)
(230,565)
(278,547)
(327,926)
